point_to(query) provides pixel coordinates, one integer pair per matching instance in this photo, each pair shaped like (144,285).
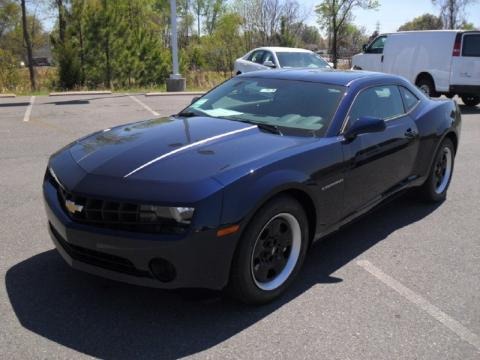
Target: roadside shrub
(9,75)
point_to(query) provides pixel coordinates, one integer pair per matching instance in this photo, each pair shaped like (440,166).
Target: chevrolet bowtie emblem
(72,207)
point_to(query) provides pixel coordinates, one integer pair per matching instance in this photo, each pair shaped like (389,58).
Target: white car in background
(278,58)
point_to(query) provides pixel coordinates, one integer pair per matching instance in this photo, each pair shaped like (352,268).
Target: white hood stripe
(186,147)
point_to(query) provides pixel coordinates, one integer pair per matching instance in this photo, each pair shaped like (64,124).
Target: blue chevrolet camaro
(230,192)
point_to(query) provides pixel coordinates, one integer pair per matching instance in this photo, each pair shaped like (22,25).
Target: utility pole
(175,82)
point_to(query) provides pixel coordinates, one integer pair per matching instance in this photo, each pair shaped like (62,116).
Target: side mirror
(269,63)
(364,125)
(194,99)
(364,47)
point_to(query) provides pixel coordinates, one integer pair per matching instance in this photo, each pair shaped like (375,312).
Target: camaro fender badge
(72,207)
(326,187)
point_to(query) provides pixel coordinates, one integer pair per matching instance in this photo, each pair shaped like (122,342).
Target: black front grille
(116,215)
(100,259)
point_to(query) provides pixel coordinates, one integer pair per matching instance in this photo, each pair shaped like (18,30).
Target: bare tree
(452,12)
(333,15)
(28,45)
(263,20)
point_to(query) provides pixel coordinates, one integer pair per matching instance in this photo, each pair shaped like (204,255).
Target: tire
(436,186)
(471,100)
(426,85)
(254,279)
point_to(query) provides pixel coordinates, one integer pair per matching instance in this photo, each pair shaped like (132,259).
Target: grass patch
(47,77)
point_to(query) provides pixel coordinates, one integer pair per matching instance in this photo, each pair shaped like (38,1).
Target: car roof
(282,49)
(327,76)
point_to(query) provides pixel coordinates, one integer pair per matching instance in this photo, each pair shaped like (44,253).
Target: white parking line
(423,304)
(145,106)
(28,112)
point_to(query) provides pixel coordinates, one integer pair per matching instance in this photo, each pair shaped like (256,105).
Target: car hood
(180,150)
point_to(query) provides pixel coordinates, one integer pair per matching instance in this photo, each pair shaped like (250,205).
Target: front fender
(245,196)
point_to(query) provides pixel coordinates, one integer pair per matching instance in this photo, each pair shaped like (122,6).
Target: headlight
(153,213)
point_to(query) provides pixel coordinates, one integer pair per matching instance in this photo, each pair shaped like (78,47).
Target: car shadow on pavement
(111,320)
(469,110)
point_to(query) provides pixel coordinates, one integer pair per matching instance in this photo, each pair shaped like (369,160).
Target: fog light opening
(163,270)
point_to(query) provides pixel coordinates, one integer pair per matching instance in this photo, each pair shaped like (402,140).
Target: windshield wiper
(186,114)
(274,129)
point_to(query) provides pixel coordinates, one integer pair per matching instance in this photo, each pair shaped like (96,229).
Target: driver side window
(376,47)
(383,102)
(256,56)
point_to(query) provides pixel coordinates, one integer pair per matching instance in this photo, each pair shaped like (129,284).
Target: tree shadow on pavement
(111,320)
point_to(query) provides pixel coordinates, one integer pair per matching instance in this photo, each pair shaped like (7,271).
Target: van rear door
(466,60)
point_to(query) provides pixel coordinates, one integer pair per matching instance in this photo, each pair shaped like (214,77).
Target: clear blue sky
(393,13)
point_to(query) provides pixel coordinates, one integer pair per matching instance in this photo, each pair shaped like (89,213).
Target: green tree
(224,45)
(334,15)
(351,39)
(213,10)
(423,22)
(9,16)
(8,71)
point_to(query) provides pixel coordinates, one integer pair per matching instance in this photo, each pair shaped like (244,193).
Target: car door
(372,57)
(377,162)
(251,62)
(256,60)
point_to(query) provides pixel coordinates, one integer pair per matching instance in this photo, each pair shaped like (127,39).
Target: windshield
(287,104)
(301,60)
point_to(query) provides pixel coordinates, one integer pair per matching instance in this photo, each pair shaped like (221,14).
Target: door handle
(411,134)
(382,58)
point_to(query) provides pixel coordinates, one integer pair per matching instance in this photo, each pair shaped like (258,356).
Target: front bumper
(200,258)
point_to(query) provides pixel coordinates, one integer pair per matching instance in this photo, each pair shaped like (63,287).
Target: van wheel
(427,86)
(471,100)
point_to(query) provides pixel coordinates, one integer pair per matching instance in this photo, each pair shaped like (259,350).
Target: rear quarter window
(409,99)
(471,45)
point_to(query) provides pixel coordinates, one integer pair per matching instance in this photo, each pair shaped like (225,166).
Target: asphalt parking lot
(401,283)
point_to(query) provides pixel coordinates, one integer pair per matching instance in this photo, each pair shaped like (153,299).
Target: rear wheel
(471,100)
(271,252)
(436,186)
(426,85)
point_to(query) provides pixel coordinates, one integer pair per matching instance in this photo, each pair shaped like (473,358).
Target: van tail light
(458,45)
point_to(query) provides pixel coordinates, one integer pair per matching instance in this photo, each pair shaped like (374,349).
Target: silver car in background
(278,58)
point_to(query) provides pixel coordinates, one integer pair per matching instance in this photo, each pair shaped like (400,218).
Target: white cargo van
(438,62)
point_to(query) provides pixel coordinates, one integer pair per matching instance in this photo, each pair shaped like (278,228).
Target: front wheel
(471,100)
(436,186)
(271,252)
